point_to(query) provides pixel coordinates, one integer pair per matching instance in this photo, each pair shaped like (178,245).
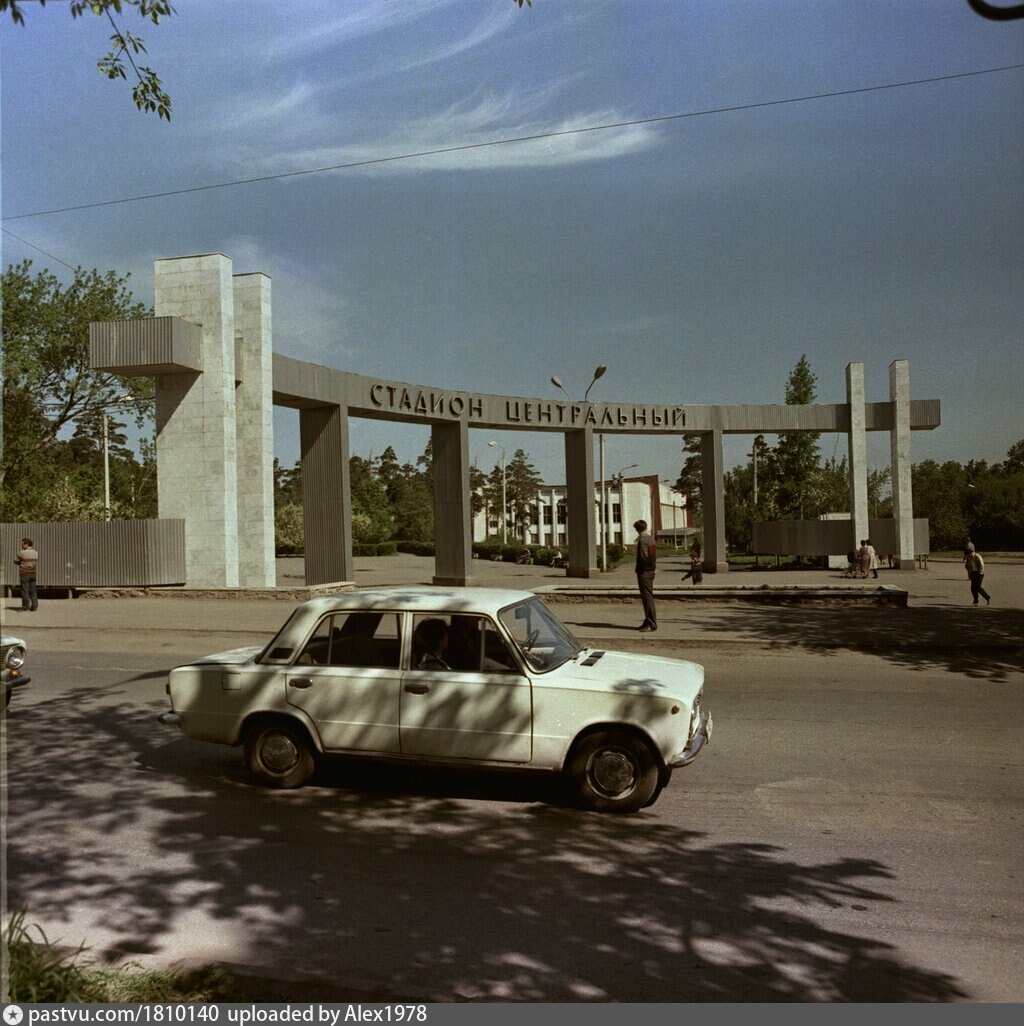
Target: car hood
(231,657)
(628,673)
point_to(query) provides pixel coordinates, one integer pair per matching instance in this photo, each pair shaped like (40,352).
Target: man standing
(28,560)
(976,568)
(646,564)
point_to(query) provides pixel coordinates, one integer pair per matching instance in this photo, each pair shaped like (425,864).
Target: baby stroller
(852,568)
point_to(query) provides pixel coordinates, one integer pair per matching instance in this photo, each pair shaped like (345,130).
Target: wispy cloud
(311,35)
(312,317)
(480,133)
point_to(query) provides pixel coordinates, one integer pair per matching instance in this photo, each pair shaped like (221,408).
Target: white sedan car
(12,665)
(464,676)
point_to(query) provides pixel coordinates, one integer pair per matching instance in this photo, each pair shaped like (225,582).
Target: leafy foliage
(148,93)
(49,390)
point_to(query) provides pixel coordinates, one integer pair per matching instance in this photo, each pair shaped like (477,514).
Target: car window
(369,639)
(543,640)
(461,641)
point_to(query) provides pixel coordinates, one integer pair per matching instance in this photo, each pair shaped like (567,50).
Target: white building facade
(627,500)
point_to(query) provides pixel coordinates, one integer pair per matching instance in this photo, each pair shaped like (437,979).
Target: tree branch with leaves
(148,92)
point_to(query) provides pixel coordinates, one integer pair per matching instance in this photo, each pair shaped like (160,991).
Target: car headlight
(14,657)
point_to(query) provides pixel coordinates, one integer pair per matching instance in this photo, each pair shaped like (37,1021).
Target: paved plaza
(938,614)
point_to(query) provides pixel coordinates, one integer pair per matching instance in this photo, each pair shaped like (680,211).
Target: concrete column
(712,487)
(857,455)
(579,498)
(195,420)
(254,417)
(453,533)
(326,495)
(900,463)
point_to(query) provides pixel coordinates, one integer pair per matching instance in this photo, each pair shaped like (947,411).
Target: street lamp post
(504,501)
(675,531)
(602,518)
(121,400)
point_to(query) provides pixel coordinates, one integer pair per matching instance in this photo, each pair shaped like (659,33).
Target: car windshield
(543,640)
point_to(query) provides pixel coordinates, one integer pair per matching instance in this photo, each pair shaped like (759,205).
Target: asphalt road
(853,833)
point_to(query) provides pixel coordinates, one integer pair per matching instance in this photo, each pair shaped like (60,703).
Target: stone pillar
(254,417)
(326,495)
(195,420)
(579,498)
(857,455)
(712,488)
(453,532)
(900,464)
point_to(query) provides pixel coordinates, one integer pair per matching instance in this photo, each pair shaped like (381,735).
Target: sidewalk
(938,614)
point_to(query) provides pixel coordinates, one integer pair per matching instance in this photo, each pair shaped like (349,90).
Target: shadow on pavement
(522,900)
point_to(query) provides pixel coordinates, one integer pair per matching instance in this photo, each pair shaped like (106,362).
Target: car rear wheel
(279,754)
(614,771)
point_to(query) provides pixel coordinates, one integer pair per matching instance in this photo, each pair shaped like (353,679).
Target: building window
(547,516)
(561,513)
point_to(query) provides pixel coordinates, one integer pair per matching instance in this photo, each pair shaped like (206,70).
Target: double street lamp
(599,372)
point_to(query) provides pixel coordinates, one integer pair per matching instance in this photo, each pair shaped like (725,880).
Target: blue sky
(697,256)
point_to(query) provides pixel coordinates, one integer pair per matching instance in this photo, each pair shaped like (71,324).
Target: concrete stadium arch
(209,348)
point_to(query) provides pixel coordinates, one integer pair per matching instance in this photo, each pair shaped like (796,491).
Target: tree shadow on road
(392,876)
(985,643)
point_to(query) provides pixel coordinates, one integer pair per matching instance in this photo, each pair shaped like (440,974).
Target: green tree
(148,92)
(289,527)
(938,492)
(796,455)
(47,383)
(1014,462)
(477,484)
(372,519)
(690,478)
(523,483)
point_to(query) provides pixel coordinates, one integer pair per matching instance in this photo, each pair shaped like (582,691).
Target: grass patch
(38,971)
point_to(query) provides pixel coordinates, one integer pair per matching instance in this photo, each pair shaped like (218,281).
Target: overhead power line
(464,147)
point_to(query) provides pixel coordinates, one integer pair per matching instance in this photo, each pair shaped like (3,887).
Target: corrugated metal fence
(830,537)
(98,554)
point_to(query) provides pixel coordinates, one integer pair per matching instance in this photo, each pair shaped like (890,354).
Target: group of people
(862,561)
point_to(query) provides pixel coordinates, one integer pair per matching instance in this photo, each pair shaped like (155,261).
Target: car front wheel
(279,754)
(614,771)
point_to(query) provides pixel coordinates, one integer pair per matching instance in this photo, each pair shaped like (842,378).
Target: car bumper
(10,683)
(698,739)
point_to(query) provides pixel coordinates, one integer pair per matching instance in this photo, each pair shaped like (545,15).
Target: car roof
(421,598)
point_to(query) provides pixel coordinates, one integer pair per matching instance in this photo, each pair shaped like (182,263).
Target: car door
(476,705)
(347,679)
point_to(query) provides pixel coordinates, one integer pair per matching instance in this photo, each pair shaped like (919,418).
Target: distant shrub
(388,548)
(416,548)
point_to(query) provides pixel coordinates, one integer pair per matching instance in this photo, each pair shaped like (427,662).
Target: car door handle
(300,682)
(417,689)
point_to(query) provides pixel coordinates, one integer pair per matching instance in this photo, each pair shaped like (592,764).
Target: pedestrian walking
(28,563)
(696,571)
(646,566)
(968,550)
(976,568)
